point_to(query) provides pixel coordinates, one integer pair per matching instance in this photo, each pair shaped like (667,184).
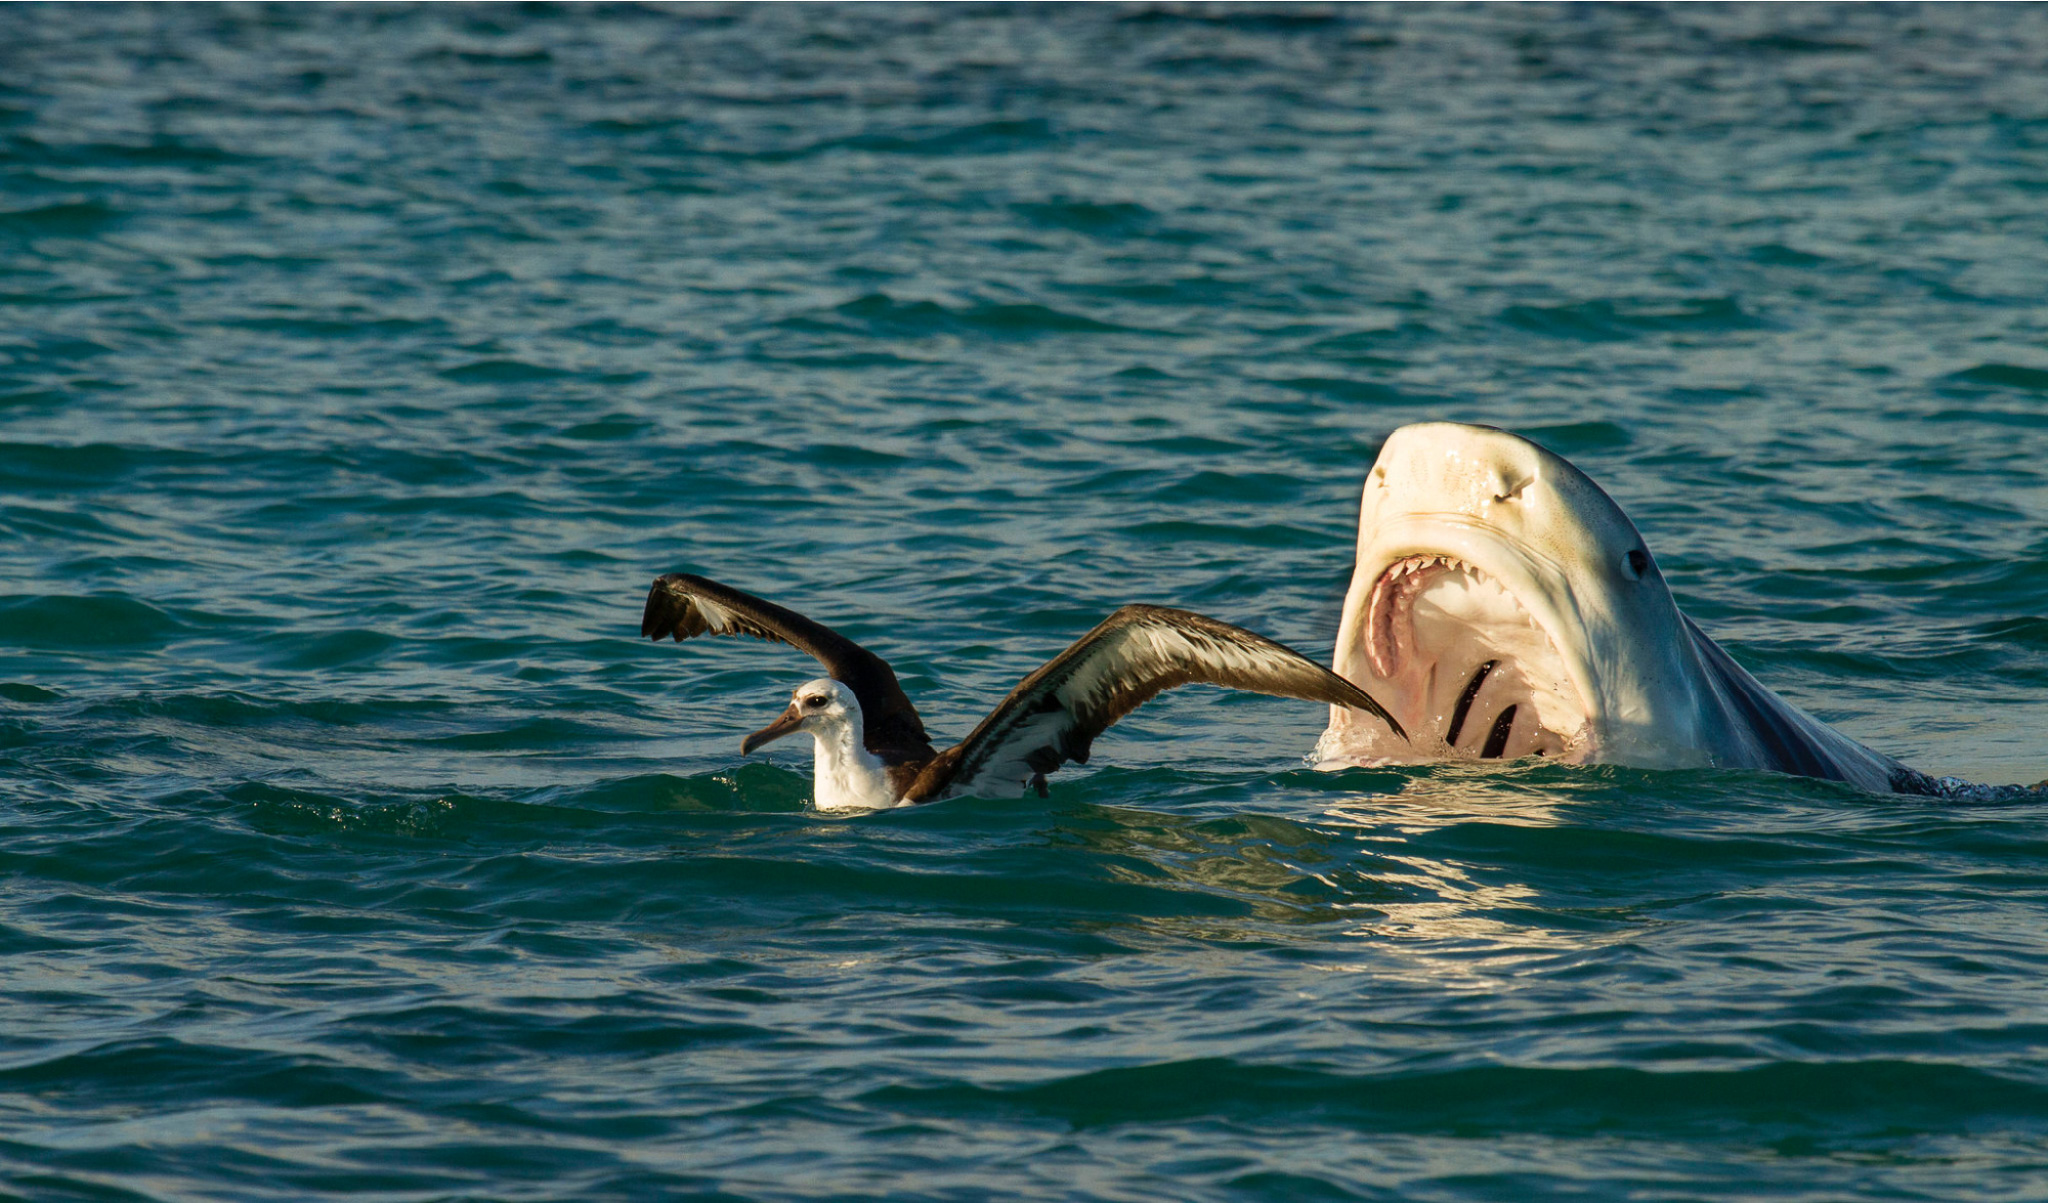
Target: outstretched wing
(684,606)
(1137,652)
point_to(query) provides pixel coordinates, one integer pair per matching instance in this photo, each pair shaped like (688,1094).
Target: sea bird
(872,750)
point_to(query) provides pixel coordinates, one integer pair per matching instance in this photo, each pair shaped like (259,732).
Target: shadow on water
(1854,1101)
(1524,856)
(1155,854)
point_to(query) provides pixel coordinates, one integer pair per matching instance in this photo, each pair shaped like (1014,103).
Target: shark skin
(1504,606)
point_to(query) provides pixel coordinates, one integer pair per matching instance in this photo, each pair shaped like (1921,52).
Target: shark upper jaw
(1468,638)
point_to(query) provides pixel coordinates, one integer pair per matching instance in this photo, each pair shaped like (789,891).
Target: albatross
(872,750)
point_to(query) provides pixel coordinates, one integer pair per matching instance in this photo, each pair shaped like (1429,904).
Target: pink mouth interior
(1464,666)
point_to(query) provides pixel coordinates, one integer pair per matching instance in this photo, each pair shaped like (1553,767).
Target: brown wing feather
(1135,654)
(683,606)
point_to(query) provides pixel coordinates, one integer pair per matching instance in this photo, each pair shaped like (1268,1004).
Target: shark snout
(1454,468)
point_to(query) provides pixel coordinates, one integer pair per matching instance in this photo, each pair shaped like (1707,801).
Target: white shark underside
(1504,606)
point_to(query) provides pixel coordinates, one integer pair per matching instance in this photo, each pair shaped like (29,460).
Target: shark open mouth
(1465,667)
(1502,605)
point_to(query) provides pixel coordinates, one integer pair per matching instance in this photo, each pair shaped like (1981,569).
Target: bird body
(846,775)
(872,750)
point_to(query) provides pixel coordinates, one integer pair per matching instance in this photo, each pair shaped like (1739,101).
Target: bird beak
(791,719)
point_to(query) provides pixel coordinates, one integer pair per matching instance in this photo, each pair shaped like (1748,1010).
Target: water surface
(360,366)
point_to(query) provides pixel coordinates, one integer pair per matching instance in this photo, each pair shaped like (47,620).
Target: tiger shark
(1504,606)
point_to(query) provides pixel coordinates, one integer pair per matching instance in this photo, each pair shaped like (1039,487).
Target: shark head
(1502,606)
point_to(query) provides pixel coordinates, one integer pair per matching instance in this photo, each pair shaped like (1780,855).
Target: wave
(1860,1097)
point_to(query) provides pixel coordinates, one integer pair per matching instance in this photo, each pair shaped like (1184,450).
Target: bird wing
(1137,652)
(684,606)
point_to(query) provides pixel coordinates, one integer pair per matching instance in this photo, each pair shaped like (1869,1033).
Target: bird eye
(1638,562)
(814,703)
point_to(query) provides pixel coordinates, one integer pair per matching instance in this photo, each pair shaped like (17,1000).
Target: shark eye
(1638,562)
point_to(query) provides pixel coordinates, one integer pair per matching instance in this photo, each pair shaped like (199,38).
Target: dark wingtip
(657,619)
(1371,705)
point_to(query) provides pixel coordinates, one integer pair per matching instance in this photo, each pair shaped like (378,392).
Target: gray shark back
(1764,731)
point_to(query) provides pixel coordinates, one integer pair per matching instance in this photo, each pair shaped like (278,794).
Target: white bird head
(819,707)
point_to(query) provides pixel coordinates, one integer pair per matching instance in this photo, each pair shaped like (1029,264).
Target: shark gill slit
(1464,705)
(1497,739)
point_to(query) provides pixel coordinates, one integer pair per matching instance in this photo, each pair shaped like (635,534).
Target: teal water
(359,367)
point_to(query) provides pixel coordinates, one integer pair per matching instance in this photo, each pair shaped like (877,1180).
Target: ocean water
(359,368)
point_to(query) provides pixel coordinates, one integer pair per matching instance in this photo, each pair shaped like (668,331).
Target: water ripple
(363,365)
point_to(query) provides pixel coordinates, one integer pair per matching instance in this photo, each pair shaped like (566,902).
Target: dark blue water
(360,367)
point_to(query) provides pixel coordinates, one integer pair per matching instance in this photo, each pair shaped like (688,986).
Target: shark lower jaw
(1464,665)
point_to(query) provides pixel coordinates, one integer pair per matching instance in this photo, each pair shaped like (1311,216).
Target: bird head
(816,706)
